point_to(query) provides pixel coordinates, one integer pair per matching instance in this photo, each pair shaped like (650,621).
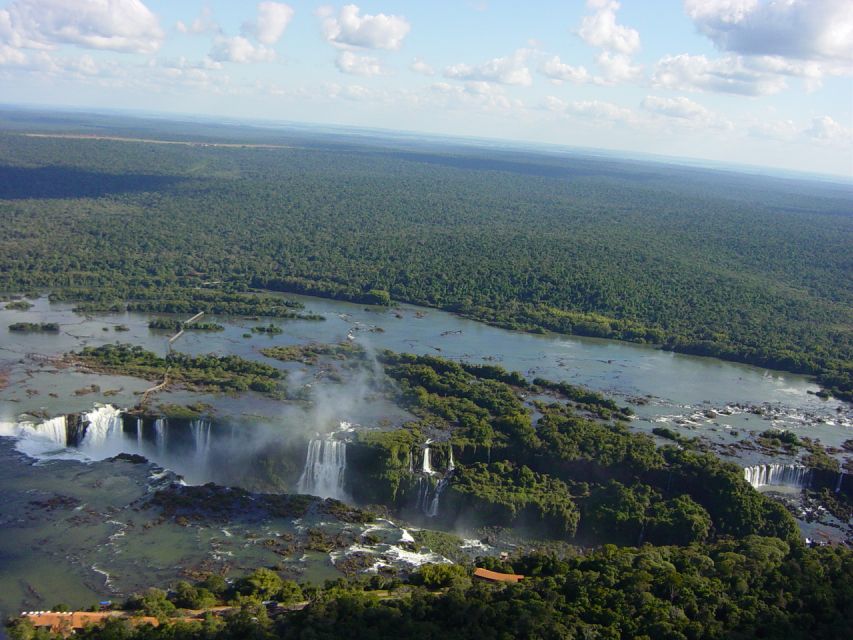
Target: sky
(759,82)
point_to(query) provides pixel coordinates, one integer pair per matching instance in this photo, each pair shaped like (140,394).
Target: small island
(34,327)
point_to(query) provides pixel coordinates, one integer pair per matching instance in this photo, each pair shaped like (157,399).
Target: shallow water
(674,385)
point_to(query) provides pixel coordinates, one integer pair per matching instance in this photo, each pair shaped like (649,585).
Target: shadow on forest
(18,183)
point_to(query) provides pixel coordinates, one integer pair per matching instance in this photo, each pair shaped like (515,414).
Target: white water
(789,475)
(432,511)
(48,438)
(160,436)
(840,480)
(200,430)
(325,469)
(451,465)
(104,430)
(427,468)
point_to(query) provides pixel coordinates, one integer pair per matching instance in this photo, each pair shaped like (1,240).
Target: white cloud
(239,49)
(119,25)
(349,62)
(616,68)
(419,66)
(826,129)
(729,74)
(11,56)
(676,107)
(273,18)
(204,23)
(560,72)
(350,29)
(474,95)
(599,110)
(601,30)
(799,29)
(511,69)
(684,110)
(774,130)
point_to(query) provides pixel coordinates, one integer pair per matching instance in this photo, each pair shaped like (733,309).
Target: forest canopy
(745,268)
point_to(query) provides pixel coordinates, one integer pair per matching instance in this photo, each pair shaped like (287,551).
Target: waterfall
(55,430)
(424,490)
(104,424)
(325,468)
(433,504)
(427,468)
(411,462)
(789,475)
(160,435)
(200,430)
(840,480)
(429,495)
(139,434)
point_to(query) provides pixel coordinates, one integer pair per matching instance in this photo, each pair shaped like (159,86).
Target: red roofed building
(494,576)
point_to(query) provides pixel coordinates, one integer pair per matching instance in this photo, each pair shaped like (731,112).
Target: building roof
(57,621)
(495,576)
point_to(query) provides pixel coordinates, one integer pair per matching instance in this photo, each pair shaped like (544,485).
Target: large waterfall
(104,425)
(789,475)
(325,468)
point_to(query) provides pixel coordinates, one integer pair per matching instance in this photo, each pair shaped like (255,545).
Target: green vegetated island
(663,542)
(746,268)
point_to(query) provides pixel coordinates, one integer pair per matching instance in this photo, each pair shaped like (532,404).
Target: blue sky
(764,82)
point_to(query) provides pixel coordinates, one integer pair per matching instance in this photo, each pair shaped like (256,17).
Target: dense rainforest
(747,268)
(753,588)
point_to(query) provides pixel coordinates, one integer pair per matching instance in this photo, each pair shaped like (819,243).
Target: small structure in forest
(495,576)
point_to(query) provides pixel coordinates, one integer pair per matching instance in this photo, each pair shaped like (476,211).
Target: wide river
(677,388)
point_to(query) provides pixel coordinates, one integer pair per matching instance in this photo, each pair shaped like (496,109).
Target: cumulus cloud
(474,94)
(560,72)
(511,69)
(351,29)
(774,130)
(826,129)
(601,30)
(273,18)
(599,110)
(616,68)
(118,25)
(11,56)
(675,107)
(684,110)
(730,74)
(239,49)
(419,66)
(349,62)
(204,23)
(800,29)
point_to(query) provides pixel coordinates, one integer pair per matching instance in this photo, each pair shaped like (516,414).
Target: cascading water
(200,430)
(432,511)
(840,480)
(37,440)
(789,475)
(104,426)
(429,495)
(325,469)
(160,436)
(426,467)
